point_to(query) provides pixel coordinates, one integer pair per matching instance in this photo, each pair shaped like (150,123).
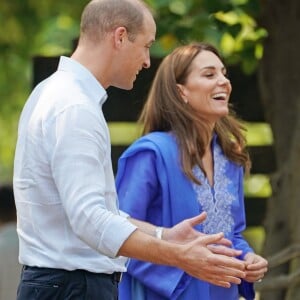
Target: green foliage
(179,22)
(34,27)
(229,25)
(29,28)
(241,38)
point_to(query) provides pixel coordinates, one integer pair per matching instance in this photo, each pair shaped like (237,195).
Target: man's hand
(184,231)
(199,261)
(204,256)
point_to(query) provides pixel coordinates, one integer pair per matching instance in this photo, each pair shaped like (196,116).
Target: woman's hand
(256,267)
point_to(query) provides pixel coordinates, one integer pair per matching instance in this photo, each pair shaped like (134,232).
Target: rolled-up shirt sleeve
(81,165)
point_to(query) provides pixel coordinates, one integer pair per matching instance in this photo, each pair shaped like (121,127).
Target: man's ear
(120,34)
(182,92)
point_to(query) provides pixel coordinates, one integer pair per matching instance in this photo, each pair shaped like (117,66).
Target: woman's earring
(186,101)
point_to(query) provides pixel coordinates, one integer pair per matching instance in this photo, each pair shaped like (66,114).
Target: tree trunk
(279,83)
(293,217)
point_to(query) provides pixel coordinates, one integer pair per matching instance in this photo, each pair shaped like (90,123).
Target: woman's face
(207,89)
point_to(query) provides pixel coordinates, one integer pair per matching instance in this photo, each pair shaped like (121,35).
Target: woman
(192,158)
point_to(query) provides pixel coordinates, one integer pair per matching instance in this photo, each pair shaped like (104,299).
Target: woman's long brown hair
(165,110)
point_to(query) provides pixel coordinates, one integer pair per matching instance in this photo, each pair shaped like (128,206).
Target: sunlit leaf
(178,7)
(238,2)
(259,51)
(229,18)
(227,44)
(64,22)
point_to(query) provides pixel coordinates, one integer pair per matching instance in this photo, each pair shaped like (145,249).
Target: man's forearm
(144,226)
(144,246)
(193,257)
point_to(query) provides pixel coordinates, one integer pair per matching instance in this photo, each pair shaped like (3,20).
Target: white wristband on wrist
(159,232)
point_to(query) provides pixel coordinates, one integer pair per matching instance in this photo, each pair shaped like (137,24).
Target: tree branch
(278,282)
(284,255)
(281,281)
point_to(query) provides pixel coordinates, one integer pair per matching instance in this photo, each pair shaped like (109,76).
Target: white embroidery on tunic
(216,201)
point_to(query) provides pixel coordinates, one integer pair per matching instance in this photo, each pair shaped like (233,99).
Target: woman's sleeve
(139,195)
(239,241)
(246,289)
(137,185)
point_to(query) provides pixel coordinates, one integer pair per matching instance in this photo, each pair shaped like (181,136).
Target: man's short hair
(103,16)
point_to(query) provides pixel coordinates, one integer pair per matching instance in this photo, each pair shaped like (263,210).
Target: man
(9,266)
(72,237)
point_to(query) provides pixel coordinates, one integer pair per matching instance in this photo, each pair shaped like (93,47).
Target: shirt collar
(98,93)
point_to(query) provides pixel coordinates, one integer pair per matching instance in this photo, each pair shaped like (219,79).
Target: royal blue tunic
(152,187)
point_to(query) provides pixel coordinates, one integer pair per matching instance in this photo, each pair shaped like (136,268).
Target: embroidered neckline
(216,200)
